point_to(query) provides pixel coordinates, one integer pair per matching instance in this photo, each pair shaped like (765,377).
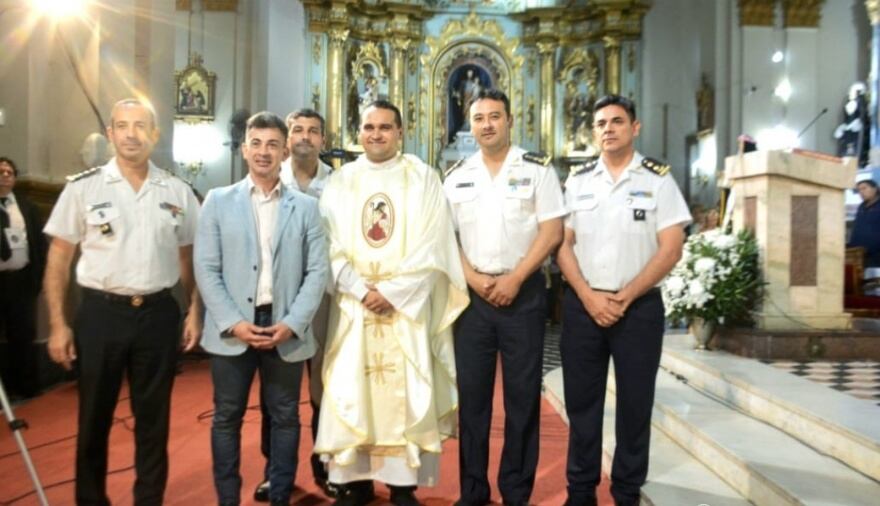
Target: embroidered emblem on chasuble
(377,220)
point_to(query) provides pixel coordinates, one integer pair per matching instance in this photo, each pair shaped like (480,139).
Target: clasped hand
(262,338)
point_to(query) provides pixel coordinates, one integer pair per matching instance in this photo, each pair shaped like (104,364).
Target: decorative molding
(802,13)
(757,12)
(873,7)
(369,52)
(530,118)
(338,36)
(316,97)
(316,49)
(612,64)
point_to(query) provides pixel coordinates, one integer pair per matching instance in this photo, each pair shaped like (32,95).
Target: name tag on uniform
(469,184)
(173,209)
(102,205)
(641,199)
(520,188)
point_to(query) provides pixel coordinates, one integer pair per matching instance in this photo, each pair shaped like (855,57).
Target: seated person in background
(866,227)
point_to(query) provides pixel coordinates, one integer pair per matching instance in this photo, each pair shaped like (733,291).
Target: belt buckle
(137,300)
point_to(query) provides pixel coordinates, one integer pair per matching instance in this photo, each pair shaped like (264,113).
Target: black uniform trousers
(18,317)
(114,339)
(634,343)
(517,332)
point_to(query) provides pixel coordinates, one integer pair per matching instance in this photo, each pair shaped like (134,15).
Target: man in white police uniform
(507,207)
(623,234)
(134,224)
(303,171)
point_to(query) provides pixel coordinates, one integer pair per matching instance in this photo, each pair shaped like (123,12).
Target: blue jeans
(232,377)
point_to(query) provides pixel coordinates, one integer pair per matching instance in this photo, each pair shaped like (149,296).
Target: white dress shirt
(497,219)
(616,222)
(265,206)
(129,241)
(316,185)
(16,236)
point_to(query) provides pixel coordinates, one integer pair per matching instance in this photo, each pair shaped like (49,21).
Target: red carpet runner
(51,437)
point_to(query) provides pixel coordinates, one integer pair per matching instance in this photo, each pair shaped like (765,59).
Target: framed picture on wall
(195,92)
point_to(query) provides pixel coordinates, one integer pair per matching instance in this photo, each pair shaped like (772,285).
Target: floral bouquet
(717,279)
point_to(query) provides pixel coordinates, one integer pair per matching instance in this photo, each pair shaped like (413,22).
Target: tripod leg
(16,425)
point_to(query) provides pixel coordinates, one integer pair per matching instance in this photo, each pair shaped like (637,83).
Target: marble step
(760,462)
(675,478)
(832,422)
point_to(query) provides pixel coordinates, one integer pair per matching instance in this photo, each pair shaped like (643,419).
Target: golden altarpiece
(552,58)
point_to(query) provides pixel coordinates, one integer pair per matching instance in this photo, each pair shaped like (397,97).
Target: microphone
(812,122)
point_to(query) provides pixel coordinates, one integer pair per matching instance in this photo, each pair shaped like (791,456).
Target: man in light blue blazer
(261,267)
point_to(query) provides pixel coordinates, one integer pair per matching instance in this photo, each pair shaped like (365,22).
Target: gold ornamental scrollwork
(802,13)
(316,97)
(757,12)
(530,118)
(583,59)
(873,7)
(338,36)
(316,50)
(368,52)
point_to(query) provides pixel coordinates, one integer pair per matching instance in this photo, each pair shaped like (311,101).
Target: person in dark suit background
(22,261)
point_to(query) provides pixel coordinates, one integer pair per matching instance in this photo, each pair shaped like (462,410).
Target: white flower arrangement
(717,279)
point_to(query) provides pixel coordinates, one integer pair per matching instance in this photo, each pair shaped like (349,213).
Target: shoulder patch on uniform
(84,174)
(537,157)
(584,168)
(656,166)
(455,165)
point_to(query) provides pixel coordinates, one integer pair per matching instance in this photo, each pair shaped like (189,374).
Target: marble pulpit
(793,201)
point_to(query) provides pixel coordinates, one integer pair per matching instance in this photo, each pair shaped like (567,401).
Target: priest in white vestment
(390,396)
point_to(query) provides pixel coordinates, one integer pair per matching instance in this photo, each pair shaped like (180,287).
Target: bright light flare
(60,9)
(784,90)
(778,137)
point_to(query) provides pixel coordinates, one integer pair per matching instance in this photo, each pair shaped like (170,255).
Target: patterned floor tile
(860,378)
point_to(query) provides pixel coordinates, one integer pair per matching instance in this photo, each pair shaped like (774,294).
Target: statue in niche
(464,84)
(705,105)
(366,88)
(852,134)
(578,106)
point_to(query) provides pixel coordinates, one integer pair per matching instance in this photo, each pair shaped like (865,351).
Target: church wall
(673,58)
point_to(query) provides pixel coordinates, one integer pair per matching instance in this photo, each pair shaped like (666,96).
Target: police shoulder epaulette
(656,166)
(584,168)
(537,157)
(84,174)
(456,165)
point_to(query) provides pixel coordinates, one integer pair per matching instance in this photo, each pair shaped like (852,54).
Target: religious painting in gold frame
(195,91)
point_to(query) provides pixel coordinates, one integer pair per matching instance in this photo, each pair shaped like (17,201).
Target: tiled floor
(858,378)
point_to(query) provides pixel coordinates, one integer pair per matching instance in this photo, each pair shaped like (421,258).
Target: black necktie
(5,250)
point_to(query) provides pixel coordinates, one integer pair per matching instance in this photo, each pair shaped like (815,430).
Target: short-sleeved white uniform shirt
(616,222)
(497,219)
(129,240)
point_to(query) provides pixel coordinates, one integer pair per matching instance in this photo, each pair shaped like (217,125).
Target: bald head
(134,102)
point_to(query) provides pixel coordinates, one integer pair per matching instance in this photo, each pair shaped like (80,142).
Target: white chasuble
(390,394)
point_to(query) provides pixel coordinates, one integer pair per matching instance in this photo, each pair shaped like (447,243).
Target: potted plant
(717,282)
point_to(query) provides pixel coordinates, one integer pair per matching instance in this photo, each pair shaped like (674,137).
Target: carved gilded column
(612,64)
(397,85)
(873,7)
(547,50)
(335,72)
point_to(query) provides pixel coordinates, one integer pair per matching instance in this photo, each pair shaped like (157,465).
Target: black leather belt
(129,300)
